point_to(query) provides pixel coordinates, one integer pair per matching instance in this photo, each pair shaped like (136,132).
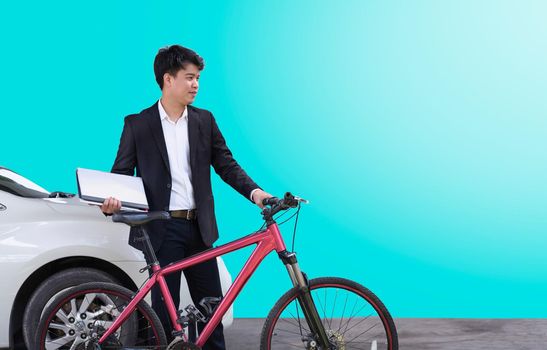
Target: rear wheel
(353,317)
(46,292)
(78,317)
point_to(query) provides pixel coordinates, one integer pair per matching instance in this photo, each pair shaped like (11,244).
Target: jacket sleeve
(126,159)
(226,166)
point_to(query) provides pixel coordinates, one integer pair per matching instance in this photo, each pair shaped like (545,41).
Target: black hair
(171,59)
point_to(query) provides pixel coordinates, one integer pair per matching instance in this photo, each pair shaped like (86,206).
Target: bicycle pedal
(209,304)
(192,310)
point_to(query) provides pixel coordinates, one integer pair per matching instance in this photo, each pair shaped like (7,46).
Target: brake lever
(301,200)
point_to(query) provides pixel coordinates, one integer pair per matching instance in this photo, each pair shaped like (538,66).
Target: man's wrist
(252,193)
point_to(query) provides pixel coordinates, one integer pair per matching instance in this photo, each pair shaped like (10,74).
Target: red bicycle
(322,313)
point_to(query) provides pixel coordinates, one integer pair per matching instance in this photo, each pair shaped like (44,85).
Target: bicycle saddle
(133,218)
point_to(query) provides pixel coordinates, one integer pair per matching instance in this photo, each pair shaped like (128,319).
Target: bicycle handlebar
(276,204)
(288,201)
(270,201)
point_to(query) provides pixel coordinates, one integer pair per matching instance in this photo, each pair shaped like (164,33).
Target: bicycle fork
(300,281)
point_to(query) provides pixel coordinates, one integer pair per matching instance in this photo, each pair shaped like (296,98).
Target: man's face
(183,87)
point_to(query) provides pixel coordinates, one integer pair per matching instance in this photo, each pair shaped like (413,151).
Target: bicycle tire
(78,317)
(275,334)
(47,291)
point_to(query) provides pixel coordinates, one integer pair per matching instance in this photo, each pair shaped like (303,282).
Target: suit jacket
(142,147)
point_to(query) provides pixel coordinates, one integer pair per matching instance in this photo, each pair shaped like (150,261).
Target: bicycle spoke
(298,315)
(323,308)
(333,307)
(289,322)
(356,324)
(342,315)
(324,320)
(280,330)
(357,336)
(299,323)
(298,346)
(349,318)
(373,345)
(352,317)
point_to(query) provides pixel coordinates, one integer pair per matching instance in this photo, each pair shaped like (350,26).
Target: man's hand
(111,206)
(259,196)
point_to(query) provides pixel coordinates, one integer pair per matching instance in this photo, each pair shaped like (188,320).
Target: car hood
(74,207)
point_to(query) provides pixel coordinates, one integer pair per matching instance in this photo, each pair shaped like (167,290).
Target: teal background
(417,129)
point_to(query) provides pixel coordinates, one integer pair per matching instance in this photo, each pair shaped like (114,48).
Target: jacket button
(168,185)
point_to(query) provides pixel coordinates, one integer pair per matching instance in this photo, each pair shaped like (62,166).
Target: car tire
(49,288)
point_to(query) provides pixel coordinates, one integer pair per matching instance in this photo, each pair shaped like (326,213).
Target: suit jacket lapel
(154,122)
(193,135)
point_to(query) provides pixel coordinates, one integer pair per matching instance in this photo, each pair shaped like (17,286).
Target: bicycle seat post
(139,219)
(148,249)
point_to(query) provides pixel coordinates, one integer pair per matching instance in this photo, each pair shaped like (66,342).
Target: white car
(52,241)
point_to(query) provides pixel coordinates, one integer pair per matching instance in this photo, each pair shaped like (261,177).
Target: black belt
(184,214)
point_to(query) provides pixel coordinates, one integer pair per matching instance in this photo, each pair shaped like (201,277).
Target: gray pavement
(430,334)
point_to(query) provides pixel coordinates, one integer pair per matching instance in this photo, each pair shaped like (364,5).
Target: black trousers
(183,239)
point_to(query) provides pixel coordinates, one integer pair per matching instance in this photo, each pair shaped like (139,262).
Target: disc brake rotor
(336,339)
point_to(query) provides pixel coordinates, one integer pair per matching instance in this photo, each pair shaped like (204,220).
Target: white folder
(95,186)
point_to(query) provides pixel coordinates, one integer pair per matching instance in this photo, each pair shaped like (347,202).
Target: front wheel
(353,317)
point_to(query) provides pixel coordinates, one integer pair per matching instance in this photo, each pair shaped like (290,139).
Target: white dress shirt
(178,151)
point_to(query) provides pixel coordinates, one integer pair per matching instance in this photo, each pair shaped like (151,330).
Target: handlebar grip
(289,200)
(270,201)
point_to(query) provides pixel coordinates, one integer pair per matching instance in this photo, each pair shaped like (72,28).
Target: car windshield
(20,186)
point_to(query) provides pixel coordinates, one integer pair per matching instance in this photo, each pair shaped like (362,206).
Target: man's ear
(167,79)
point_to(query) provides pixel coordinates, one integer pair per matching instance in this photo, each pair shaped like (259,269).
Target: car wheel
(49,288)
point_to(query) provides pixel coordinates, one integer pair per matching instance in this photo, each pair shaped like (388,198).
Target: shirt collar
(164,116)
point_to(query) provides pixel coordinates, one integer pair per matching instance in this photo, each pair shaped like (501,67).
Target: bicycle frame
(266,240)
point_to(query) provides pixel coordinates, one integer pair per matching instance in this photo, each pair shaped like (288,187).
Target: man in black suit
(172,145)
